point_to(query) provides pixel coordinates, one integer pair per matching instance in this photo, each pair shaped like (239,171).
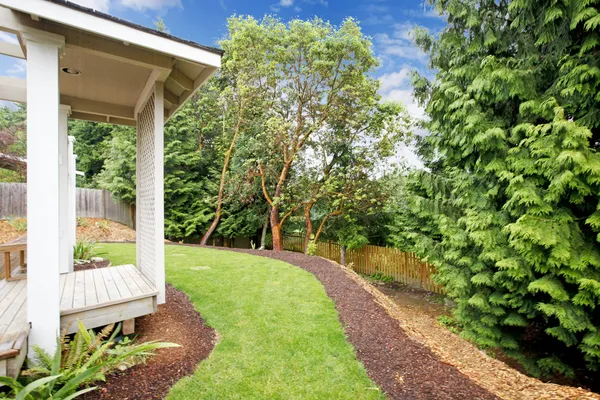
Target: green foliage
(20,224)
(311,249)
(83,251)
(91,142)
(380,277)
(508,207)
(42,389)
(87,358)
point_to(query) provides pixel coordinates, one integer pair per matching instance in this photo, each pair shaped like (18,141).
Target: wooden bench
(9,249)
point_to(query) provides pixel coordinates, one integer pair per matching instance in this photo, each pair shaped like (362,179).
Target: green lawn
(280,337)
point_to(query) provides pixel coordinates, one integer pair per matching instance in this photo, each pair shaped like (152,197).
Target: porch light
(71,71)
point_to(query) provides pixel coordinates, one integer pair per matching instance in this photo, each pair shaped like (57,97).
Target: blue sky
(388,22)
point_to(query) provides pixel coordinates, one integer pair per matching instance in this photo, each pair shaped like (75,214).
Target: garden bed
(402,367)
(421,359)
(176,321)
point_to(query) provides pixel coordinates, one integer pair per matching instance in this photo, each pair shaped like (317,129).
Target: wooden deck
(97,297)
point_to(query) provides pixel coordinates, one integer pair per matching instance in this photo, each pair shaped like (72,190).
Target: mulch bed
(176,321)
(91,265)
(402,367)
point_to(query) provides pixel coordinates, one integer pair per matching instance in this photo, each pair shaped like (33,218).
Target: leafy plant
(507,208)
(104,225)
(44,388)
(381,277)
(311,249)
(83,251)
(20,224)
(83,222)
(89,356)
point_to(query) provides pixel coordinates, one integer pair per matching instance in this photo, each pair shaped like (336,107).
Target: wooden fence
(403,267)
(91,203)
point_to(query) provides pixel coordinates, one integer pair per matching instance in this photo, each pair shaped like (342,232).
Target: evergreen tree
(508,209)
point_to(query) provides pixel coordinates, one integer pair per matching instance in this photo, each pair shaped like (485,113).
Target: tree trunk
(215,222)
(276,230)
(212,227)
(309,226)
(343,255)
(275,222)
(263,236)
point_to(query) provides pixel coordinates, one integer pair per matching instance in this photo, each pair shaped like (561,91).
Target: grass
(279,333)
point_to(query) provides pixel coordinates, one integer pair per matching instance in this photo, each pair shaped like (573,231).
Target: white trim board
(104,27)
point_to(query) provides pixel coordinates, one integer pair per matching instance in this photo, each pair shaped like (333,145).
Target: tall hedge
(508,208)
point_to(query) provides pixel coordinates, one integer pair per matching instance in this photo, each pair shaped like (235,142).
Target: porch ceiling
(117,62)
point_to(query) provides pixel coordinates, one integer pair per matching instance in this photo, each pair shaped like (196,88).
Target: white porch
(87,65)
(96,297)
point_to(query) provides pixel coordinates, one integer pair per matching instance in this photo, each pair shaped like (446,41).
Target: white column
(149,191)
(71,201)
(66,249)
(43,297)
(159,188)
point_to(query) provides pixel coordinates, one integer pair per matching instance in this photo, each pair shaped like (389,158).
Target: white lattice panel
(146,202)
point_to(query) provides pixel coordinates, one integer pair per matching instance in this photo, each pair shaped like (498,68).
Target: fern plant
(89,351)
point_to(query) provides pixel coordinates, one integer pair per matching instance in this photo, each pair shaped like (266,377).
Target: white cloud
(142,5)
(139,5)
(394,80)
(9,104)
(8,37)
(18,69)
(100,5)
(286,3)
(399,44)
(406,97)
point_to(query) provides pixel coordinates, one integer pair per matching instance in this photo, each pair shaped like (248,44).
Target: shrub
(83,251)
(20,224)
(311,249)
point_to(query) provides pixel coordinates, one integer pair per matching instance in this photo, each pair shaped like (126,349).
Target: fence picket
(403,267)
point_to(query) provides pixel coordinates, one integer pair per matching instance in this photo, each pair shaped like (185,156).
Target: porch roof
(113,63)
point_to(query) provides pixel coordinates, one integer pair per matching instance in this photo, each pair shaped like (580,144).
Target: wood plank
(19,322)
(121,285)
(68,291)
(139,279)
(79,291)
(14,288)
(131,284)
(91,298)
(109,282)
(14,308)
(8,341)
(106,315)
(101,291)
(14,364)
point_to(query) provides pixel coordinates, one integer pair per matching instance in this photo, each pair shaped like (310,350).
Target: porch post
(66,249)
(159,188)
(71,200)
(43,211)
(150,190)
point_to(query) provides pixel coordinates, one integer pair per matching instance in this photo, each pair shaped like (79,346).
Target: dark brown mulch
(402,367)
(91,265)
(176,321)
